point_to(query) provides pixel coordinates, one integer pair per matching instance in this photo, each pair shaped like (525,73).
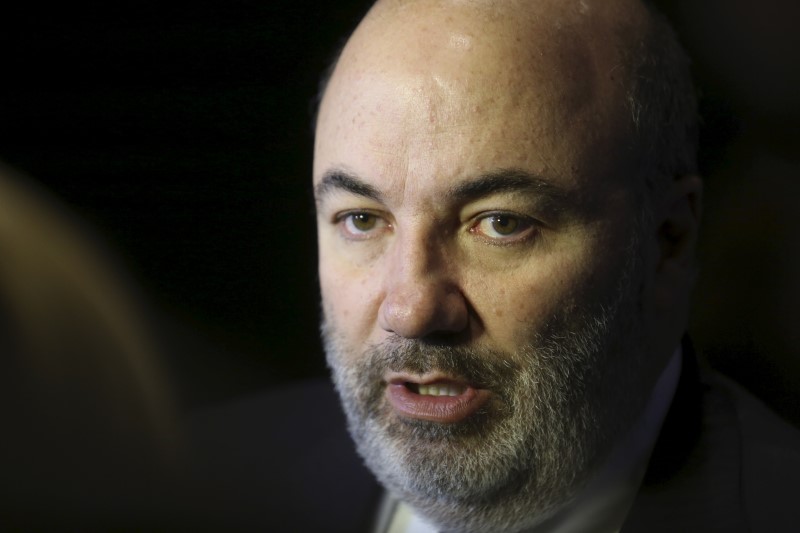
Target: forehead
(444,91)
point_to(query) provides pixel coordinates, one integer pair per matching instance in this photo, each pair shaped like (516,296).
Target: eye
(503,227)
(361,224)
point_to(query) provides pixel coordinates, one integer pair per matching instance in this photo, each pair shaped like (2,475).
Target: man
(507,214)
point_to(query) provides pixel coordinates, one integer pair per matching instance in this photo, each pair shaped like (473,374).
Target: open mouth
(436,389)
(434,398)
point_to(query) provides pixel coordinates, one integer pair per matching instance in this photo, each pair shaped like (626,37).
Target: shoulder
(723,462)
(770,459)
(281,457)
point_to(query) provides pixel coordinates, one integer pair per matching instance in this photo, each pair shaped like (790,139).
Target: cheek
(516,305)
(349,300)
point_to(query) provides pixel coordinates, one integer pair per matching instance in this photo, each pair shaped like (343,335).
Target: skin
(414,113)
(431,99)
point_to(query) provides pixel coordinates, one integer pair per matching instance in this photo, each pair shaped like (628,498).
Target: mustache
(483,368)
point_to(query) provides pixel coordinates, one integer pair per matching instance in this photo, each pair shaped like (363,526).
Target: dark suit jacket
(283,461)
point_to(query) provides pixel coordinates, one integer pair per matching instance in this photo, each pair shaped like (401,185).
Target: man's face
(478,261)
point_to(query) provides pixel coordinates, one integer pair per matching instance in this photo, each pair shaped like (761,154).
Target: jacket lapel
(693,477)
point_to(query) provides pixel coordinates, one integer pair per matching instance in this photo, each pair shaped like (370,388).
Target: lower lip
(442,409)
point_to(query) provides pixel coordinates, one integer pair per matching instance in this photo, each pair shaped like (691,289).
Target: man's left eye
(503,227)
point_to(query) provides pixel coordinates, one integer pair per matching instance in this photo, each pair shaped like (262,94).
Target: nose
(421,297)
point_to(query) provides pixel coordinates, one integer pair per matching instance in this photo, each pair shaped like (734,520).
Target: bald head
(516,30)
(570,51)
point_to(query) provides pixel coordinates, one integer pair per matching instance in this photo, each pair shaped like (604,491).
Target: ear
(678,224)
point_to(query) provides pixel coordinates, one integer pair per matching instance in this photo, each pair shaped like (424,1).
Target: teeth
(440,390)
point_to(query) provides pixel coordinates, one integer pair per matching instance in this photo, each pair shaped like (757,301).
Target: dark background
(182,134)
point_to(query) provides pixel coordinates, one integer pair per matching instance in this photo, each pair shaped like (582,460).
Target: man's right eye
(361,224)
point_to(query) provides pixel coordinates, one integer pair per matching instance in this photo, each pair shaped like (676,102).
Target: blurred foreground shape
(88,437)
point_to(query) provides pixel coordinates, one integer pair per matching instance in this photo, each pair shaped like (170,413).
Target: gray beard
(557,404)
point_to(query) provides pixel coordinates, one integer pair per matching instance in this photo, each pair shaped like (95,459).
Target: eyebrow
(342,180)
(506,181)
(496,182)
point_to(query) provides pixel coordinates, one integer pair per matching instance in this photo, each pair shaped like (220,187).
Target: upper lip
(394,378)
